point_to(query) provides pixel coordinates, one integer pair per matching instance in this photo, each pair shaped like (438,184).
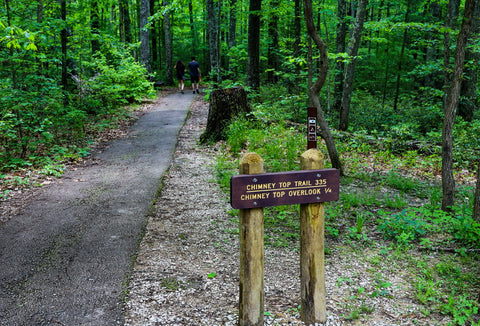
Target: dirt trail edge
(65,258)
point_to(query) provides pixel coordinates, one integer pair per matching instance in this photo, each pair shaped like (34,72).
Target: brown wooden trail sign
(310,187)
(284,188)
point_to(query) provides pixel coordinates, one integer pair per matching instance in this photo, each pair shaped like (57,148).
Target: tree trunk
(192,26)
(64,41)
(121,20)
(155,62)
(225,104)
(431,52)
(342,28)
(476,202)
(352,52)
(253,62)
(453,95)
(124,21)
(314,90)
(40,11)
(402,56)
(168,45)
(145,35)
(232,34)
(273,44)
(386,88)
(127,22)
(469,92)
(452,14)
(213,40)
(297,23)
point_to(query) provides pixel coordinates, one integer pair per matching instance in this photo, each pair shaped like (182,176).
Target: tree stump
(225,104)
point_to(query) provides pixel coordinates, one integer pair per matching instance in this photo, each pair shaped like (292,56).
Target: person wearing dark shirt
(180,68)
(195,74)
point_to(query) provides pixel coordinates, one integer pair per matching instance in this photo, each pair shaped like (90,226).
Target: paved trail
(65,259)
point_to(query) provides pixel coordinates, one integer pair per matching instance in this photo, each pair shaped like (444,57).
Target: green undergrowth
(389,207)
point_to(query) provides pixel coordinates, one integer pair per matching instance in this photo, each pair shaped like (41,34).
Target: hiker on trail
(180,67)
(195,74)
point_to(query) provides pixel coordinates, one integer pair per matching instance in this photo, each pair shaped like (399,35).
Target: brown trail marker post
(310,187)
(251,300)
(312,251)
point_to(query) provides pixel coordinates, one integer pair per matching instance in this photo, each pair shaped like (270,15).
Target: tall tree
(167,27)
(314,90)
(452,14)
(232,33)
(451,105)
(352,51)
(213,13)
(341,43)
(154,36)
(64,41)
(273,42)
(124,21)
(469,91)
(432,53)
(253,63)
(145,35)
(192,26)
(402,56)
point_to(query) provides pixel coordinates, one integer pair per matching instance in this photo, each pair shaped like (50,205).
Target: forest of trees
(65,63)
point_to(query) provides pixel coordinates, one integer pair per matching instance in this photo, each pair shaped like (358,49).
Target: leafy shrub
(405,226)
(280,147)
(463,229)
(237,134)
(275,103)
(370,115)
(28,117)
(461,308)
(117,84)
(466,149)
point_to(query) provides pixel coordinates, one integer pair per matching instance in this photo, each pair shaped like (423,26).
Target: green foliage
(405,184)
(464,230)
(404,227)
(225,169)
(280,147)
(277,104)
(282,226)
(466,148)
(461,308)
(444,287)
(414,223)
(14,37)
(116,83)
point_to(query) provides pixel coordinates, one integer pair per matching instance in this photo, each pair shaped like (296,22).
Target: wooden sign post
(312,251)
(311,187)
(251,309)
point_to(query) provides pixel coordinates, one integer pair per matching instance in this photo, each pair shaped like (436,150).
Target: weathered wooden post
(312,251)
(251,300)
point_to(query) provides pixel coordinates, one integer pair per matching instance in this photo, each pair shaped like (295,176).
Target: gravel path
(186,272)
